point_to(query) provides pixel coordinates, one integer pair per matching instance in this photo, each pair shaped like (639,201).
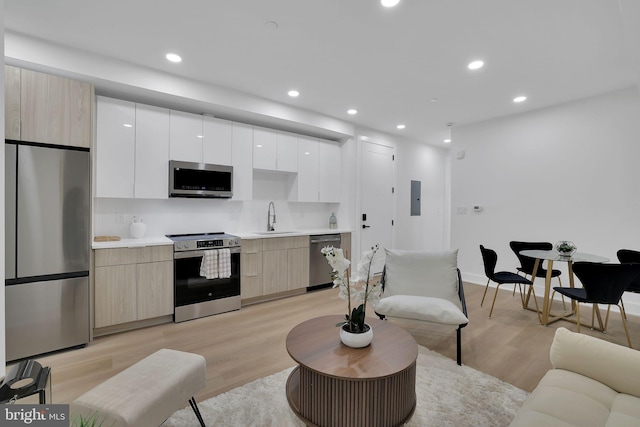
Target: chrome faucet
(269,223)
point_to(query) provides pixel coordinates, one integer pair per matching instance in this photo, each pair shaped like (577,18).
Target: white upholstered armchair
(424,286)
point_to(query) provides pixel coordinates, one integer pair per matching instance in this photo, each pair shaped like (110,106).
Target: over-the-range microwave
(190,179)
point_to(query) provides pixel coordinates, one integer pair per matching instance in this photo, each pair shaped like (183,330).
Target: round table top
(554,256)
(316,345)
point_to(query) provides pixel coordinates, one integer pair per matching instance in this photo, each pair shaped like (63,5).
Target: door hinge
(392,222)
(393,157)
(393,190)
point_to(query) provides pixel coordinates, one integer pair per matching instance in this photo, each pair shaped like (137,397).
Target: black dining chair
(602,284)
(628,256)
(527,263)
(490,259)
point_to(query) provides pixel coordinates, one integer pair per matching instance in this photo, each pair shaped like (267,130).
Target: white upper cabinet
(329,179)
(115,148)
(242,149)
(216,141)
(152,152)
(265,149)
(185,140)
(308,163)
(287,152)
(275,150)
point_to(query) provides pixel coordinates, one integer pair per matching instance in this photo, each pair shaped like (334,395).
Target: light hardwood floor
(244,345)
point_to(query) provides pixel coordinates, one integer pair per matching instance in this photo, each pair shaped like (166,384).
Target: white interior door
(377,199)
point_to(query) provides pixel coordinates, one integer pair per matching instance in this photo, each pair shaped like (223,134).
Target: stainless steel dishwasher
(319,269)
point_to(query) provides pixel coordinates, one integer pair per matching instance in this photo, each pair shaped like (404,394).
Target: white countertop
(162,240)
(287,233)
(133,243)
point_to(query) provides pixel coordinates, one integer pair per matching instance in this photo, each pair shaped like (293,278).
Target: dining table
(551,256)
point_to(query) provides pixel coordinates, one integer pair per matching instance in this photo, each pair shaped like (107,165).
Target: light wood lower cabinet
(251,269)
(132,284)
(273,266)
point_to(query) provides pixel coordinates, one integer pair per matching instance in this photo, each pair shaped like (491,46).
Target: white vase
(353,340)
(137,229)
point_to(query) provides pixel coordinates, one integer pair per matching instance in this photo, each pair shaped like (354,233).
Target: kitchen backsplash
(177,216)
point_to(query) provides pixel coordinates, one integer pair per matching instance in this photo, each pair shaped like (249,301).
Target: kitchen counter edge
(161,240)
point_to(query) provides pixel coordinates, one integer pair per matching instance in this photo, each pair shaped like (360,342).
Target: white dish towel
(209,265)
(224,263)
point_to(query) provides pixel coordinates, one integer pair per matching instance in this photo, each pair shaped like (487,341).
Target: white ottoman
(146,393)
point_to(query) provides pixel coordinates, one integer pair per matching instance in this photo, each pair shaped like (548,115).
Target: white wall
(424,163)
(569,172)
(3,358)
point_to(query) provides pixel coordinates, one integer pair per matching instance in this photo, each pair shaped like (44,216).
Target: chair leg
(196,410)
(624,323)
(494,299)
(578,316)
(625,311)
(485,292)
(459,343)
(535,300)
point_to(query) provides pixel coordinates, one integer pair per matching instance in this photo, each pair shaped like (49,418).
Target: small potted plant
(565,248)
(354,331)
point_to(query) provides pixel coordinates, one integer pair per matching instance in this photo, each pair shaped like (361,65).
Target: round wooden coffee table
(335,385)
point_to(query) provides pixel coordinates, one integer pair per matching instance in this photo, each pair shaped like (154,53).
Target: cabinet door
(329,172)
(275,276)
(307,170)
(216,141)
(80,109)
(115,295)
(115,148)
(11,102)
(151,152)
(287,152)
(185,137)
(251,268)
(242,150)
(155,289)
(55,110)
(298,272)
(264,149)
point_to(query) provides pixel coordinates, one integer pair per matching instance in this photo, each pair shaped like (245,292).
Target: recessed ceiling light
(352,111)
(401,126)
(200,136)
(434,100)
(293,93)
(259,145)
(389,3)
(475,65)
(307,153)
(519,98)
(127,125)
(173,57)
(447,141)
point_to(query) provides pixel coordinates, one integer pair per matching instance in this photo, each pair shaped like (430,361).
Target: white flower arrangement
(359,288)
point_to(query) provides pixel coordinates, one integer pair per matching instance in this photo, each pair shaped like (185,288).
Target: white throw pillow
(429,309)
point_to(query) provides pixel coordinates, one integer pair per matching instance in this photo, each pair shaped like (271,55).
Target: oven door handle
(200,254)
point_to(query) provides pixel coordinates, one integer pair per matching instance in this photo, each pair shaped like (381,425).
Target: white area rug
(447,395)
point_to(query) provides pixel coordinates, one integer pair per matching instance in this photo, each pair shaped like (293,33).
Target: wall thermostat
(477,208)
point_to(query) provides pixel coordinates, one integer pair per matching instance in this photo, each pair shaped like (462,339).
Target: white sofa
(592,383)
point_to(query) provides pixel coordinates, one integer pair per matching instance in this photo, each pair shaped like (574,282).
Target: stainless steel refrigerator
(47,248)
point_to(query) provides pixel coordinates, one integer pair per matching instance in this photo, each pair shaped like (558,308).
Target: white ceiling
(387,63)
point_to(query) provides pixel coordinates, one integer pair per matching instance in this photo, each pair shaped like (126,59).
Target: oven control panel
(199,244)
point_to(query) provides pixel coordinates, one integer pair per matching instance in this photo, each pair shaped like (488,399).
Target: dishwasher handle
(324,239)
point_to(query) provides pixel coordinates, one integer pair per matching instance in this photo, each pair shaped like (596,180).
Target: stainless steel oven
(203,290)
